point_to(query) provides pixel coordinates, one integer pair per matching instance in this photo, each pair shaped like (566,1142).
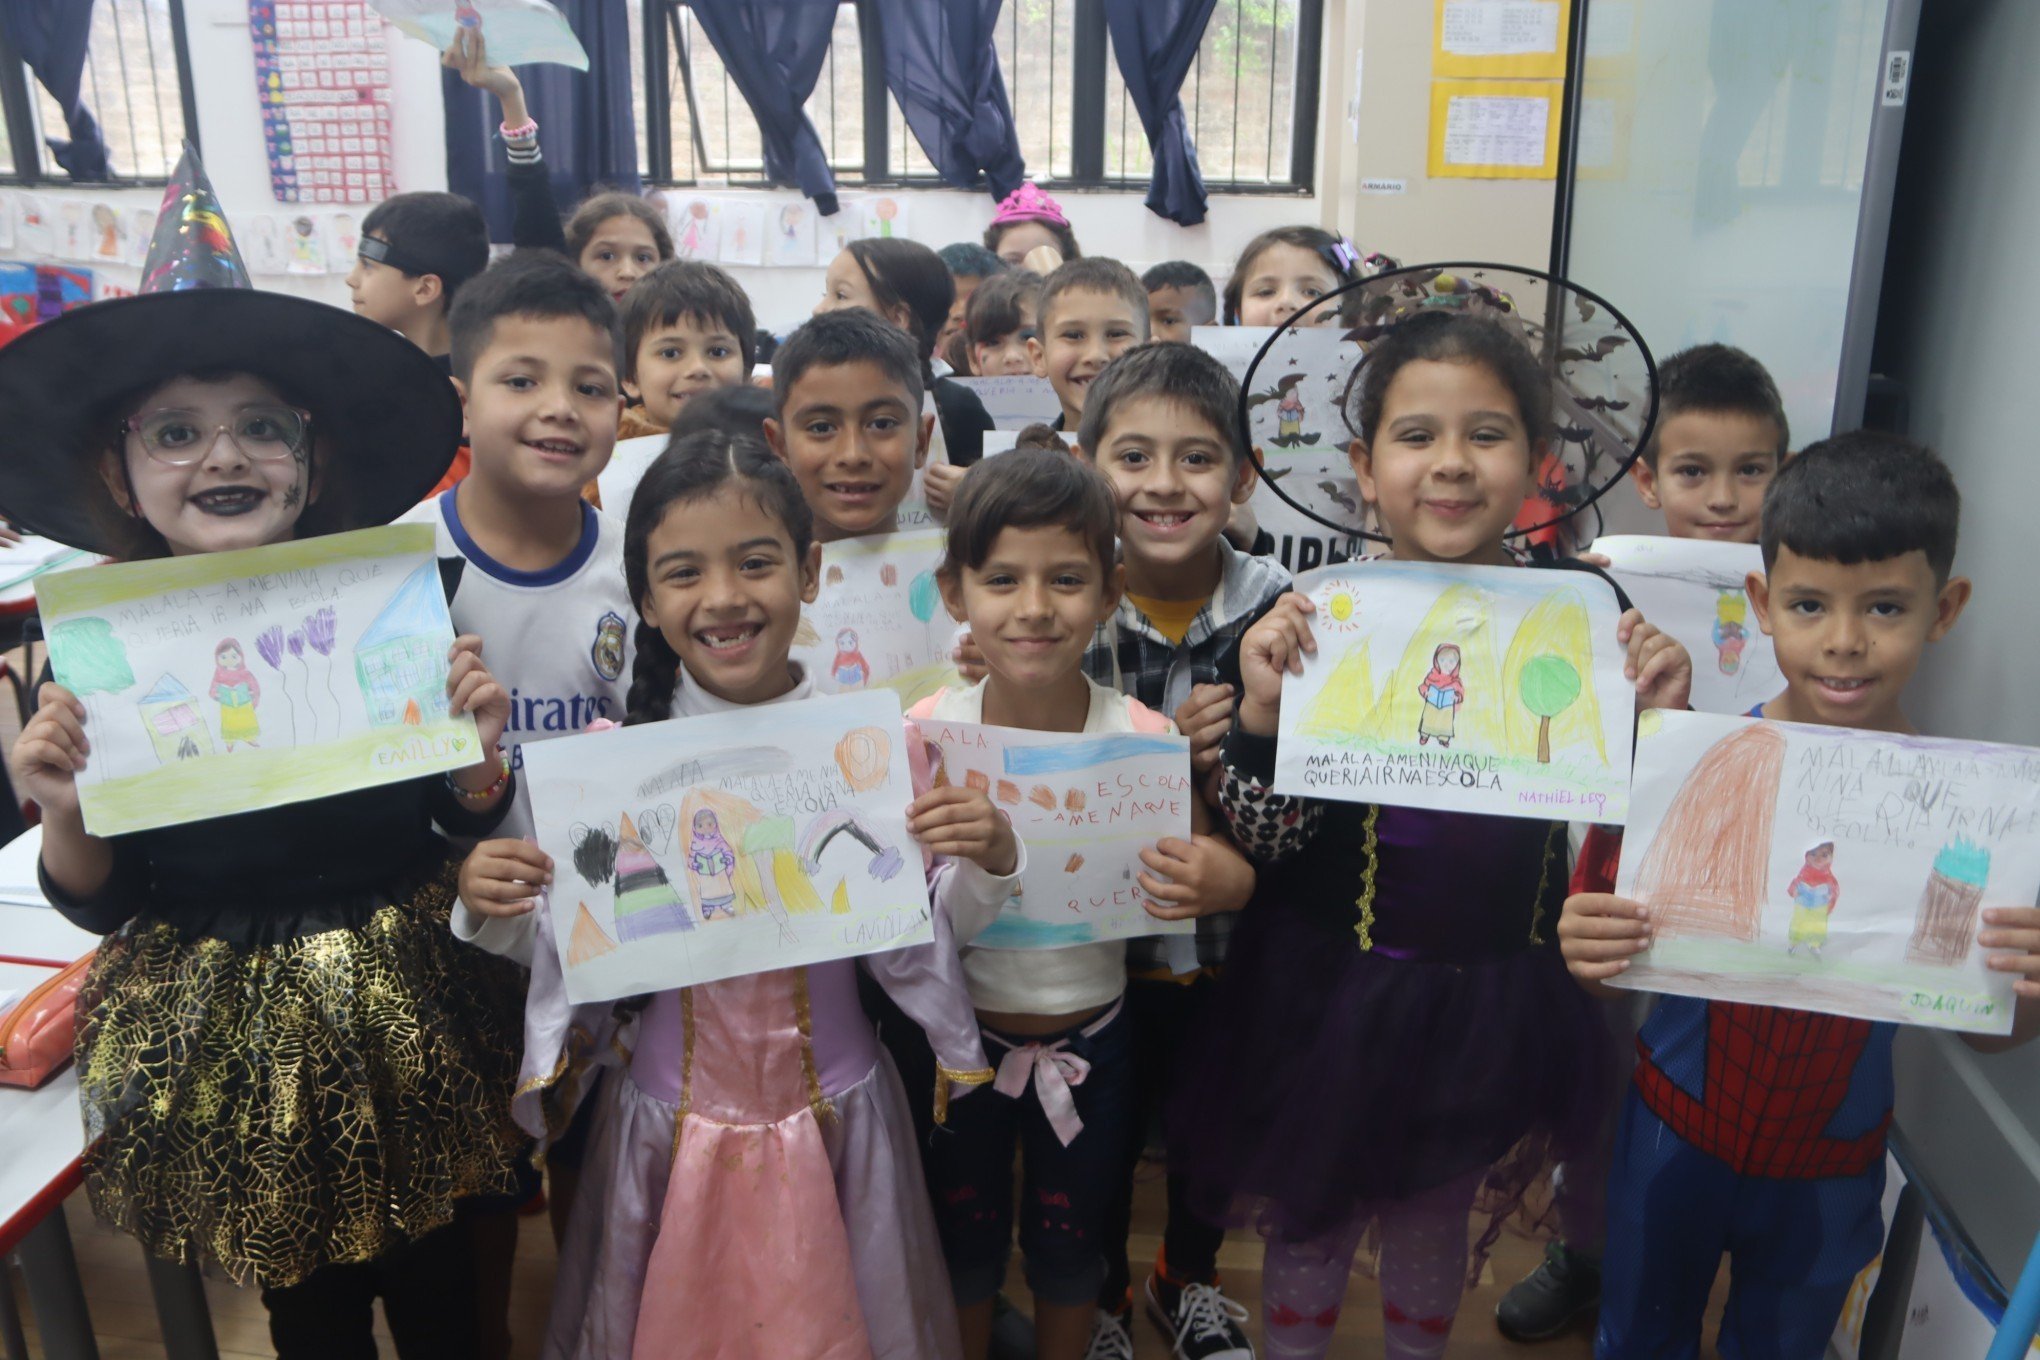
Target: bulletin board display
(323,80)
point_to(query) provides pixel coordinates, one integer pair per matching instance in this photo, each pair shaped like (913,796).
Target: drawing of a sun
(1338,610)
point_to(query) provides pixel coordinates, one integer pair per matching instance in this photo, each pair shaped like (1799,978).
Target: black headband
(378,251)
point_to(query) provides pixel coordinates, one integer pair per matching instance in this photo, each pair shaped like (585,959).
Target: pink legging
(1423,1274)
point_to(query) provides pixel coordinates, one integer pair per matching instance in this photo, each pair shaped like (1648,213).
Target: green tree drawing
(88,660)
(1550,684)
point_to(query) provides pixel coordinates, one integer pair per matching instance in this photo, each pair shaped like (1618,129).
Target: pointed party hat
(192,247)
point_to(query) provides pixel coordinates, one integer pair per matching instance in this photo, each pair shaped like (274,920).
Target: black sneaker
(1202,1324)
(1550,1299)
(1110,1339)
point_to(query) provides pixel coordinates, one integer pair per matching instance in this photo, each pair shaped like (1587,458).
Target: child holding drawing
(1397,1080)
(1779,1163)
(290,1069)
(753,1188)
(1030,567)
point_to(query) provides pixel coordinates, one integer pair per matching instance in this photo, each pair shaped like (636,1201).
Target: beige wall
(1508,221)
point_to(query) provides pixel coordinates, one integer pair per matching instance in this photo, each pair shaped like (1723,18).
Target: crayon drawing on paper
(1475,689)
(710,847)
(1695,590)
(879,621)
(1828,869)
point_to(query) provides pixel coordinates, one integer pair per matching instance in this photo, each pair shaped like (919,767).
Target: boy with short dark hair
(1159,423)
(1779,1163)
(847,388)
(969,265)
(687,327)
(1721,437)
(1091,311)
(1180,295)
(416,251)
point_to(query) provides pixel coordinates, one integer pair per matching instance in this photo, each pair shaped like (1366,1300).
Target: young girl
(753,1188)
(1394,1033)
(1285,269)
(1027,220)
(1000,321)
(908,285)
(289,1069)
(1031,568)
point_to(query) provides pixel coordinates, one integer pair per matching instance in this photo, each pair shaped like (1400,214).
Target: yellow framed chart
(1505,39)
(1494,129)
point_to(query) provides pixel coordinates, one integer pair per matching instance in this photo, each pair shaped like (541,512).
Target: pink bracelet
(523,132)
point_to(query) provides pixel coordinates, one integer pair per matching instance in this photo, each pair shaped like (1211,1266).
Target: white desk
(30,929)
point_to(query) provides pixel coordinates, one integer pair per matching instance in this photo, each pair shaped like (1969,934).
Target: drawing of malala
(849,668)
(1731,608)
(236,691)
(1443,692)
(1289,417)
(1814,892)
(713,863)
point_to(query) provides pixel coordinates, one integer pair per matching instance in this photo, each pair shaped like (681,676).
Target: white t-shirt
(1042,981)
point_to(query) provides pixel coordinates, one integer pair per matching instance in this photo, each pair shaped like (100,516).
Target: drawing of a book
(647,903)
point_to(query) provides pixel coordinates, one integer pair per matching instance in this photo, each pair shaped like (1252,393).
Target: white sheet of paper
(519,32)
(230,681)
(1496,129)
(731,843)
(1538,724)
(793,235)
(1499,28)
(1085,807)
(617,482)
(1693,589)
(999,441)
(696,226)
(743,232)
(879,620)
(1725,825)
(1299,424)
(1014,402)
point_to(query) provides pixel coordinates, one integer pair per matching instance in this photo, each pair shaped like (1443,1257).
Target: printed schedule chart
(322,73)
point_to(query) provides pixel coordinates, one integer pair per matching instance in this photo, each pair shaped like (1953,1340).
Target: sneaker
(1551,1298)
(1109,1338)
(1203,1325)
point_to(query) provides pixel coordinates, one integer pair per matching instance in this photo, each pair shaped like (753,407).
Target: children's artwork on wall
(230,681)
(884,217)
(839,229)
(1300,428)
(1085,807)
(792,235)
(1015,402)
(696,226)
(19,295)
(262,244)
(8,209)
(73,231)
(104,288)
(743,232)
(519,32)
(304,244)
(878,621)
(141,230)
(1495,690)
(343,242)
(32,219)
(715,846)
(109,233)
(1693,589)
(60,288)
(1828,869)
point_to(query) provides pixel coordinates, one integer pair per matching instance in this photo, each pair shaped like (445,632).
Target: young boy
(1092,311)
(416,251)
(1159,423)
(969,265)
(1180,295)
(1721,438)
(847,387)
(1780,1163)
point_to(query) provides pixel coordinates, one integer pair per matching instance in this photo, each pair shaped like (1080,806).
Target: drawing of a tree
(89,660)
(269,645)
(1550,685)
(321,632)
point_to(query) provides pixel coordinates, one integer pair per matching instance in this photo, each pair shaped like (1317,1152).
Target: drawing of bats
(1601,404)
(1602,348)
(1338,493)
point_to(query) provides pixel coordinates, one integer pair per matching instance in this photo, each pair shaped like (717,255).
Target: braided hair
(695,467)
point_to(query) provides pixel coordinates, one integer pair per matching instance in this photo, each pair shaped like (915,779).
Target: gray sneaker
(1565,1287)
(1109,1338)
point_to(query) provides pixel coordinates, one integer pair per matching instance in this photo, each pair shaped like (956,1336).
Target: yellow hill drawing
(589,940)
(1345,706)
(1464,617)
(1551,656)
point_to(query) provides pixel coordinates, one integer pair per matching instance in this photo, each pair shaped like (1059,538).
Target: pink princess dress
(752,1187)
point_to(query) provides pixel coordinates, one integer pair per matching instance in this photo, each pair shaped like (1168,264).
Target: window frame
(34,167)
(1090,127)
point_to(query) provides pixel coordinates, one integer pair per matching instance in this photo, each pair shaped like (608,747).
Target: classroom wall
(1957,331)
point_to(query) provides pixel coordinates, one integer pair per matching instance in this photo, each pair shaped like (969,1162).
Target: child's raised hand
(2015,931)
(504,877)
(1198,877)
(469,55)
(471,689)
(1205,717)
(1272,648)
(51,750)
(962,823)
(1598,933)
(1658,663)
(969,659)
(938,487)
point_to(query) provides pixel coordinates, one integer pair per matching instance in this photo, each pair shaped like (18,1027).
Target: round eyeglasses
(264,433)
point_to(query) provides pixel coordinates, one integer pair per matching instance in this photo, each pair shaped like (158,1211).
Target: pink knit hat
(1028,204)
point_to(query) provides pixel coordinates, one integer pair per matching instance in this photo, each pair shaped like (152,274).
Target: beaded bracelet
(479,796)
(523,132)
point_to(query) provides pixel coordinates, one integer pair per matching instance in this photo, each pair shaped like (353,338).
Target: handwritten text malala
(198,610)
(1851,791)
(1419,769)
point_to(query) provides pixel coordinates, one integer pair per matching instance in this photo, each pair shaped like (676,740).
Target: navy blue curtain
(942,68)
(51,36)
(774,51)
(584,119)
(1156,43)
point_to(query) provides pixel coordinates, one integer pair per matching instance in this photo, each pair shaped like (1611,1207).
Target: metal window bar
(137,82)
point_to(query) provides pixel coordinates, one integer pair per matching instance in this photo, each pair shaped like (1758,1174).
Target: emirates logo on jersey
(607,653)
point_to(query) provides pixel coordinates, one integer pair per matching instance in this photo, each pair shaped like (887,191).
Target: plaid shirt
(1130,654)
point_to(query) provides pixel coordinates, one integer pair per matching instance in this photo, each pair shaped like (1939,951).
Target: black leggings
(427,1288)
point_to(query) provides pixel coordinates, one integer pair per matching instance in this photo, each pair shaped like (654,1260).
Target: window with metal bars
(1251,100)
(137,83)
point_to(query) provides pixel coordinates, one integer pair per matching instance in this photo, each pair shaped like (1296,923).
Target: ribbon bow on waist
(1055,1070)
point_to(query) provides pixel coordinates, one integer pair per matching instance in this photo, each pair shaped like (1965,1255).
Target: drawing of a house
(400,662)
(1704,872)
(646,901)
(176,729)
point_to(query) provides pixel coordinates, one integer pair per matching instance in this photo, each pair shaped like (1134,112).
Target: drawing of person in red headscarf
(236,690)
(850,669)
(1443,692)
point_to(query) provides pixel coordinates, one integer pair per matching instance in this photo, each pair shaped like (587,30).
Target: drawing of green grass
(1765,973)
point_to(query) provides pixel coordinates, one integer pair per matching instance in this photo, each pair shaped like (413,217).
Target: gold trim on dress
(1552,840)
(825,1112)
(961,1076)
(1364,928)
